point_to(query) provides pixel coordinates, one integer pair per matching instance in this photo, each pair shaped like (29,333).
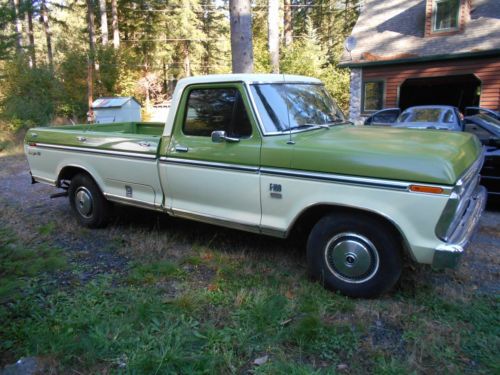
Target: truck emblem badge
(275,190)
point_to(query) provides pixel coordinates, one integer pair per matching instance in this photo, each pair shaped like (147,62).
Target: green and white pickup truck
(272,154)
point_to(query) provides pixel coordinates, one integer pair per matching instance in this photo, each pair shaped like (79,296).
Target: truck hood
(430,156)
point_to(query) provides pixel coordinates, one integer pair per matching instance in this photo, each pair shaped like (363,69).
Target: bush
(29,95)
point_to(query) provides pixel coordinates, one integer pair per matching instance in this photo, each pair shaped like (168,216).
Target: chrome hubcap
(84,202)
(352,257)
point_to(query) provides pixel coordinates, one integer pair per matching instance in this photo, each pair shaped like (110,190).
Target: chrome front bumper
(448,254)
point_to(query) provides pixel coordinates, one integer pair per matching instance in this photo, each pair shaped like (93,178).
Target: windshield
(421,115)
(289,106)
(490,120)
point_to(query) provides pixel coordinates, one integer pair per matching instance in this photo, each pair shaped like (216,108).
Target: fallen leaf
(212,287)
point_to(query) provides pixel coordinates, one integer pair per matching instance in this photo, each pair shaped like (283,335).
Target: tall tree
(114,24)
(31,35)
(18,26)
(273,35)
(216,46)
(104,22)
(48,33)
(241,36)
(91,57)
(287,21)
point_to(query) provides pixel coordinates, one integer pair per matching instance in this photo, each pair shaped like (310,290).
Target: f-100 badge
(275,190)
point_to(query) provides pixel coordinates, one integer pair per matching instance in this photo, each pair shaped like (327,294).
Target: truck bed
(137,137)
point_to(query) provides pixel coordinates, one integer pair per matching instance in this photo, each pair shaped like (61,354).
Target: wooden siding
(486,69)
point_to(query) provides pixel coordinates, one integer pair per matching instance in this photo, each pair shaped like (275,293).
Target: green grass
(19,265)
(248,308)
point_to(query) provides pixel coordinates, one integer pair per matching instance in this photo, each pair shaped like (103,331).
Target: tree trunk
(273,35)
(48,34)
(288,23)
(18,26)
(187,61)
(114,24)
(104,22)
(241,36)
(31,36)
(90,61)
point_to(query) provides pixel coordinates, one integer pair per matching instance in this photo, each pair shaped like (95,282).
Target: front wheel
(91,208)
(354,254)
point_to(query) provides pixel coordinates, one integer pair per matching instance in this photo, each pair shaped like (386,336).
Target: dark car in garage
(487,129)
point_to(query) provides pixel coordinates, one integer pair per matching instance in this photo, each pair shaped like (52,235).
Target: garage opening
(460,91)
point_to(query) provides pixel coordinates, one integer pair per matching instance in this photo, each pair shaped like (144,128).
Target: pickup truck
(273,154)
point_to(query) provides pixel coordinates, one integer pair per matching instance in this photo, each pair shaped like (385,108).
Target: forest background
(52,52)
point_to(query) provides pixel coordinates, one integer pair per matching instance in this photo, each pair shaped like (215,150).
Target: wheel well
(307,219)
(67,174)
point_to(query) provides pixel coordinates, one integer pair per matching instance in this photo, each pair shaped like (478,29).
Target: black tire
(89,205)
(355,254)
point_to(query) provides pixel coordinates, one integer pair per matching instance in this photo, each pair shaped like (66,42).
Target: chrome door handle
(81,139)
(34,135)
(144,144)
(181,149)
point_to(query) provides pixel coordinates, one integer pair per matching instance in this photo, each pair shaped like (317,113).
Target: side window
(386,117)
(449,118)
(208,110)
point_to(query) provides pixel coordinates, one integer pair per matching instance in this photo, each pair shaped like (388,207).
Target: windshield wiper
(320,126)
(303,126)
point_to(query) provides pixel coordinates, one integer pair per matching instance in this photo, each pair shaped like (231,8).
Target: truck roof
(247,78)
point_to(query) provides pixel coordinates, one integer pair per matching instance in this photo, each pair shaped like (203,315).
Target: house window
(445,15)
(373,96)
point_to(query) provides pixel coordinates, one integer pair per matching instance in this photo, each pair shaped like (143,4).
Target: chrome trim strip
(395,185)
(90,150)
(44,180)
(132,202)
(207,164)
(210,219)
(327,177)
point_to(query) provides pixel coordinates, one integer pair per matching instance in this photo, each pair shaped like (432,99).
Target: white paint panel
(415,214)
(223,194)
(110,173)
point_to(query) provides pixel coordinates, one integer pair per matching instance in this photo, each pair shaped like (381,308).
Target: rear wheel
(354,254)
(91,208)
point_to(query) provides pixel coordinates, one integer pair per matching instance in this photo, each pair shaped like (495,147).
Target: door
(215,179)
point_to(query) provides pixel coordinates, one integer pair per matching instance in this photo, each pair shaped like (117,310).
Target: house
(116,109)
(415,52)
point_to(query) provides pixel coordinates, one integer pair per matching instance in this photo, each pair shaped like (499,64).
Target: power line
(187,39)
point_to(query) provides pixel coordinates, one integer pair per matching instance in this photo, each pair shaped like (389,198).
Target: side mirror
(219,136)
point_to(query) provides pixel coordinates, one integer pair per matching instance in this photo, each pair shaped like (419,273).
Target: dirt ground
(36,217)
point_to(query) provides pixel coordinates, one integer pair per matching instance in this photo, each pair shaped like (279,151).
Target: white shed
(117,109)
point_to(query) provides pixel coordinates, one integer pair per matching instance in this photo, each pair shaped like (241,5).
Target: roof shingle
(394,29)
